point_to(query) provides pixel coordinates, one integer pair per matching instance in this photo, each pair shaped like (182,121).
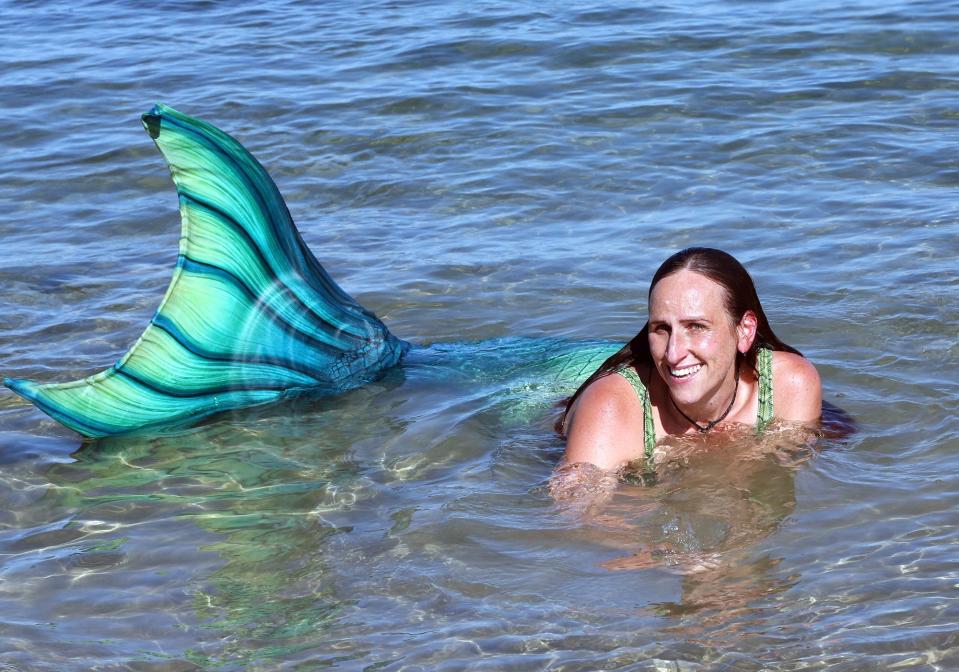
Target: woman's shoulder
(792,369)
(605,422)
(797,390)
(616,391)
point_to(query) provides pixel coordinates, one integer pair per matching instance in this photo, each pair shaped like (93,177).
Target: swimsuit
(764,366)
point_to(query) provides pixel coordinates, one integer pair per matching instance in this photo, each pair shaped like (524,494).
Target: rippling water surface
(478,171)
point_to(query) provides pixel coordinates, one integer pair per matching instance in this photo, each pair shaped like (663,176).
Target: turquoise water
(474,172)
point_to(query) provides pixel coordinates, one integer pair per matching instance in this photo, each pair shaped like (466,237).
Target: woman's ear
(746,331)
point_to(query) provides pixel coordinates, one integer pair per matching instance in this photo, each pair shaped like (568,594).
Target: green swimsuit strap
(649,431)
(764,365)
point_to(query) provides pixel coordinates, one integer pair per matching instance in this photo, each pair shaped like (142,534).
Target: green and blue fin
(249,315)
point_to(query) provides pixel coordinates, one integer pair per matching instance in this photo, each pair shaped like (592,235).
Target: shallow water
(473,171)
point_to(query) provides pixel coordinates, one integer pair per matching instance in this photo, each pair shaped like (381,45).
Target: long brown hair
(739,294)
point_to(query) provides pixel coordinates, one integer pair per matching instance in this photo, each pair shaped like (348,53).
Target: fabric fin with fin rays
(249,315)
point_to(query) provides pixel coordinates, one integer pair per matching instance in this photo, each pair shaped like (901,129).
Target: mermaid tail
(249,315)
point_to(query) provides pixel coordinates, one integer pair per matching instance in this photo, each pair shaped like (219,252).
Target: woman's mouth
(684,372)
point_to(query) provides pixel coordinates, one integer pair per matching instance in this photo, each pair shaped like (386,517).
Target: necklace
(712,423)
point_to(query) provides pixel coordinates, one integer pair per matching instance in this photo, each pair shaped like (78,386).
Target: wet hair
(739,296)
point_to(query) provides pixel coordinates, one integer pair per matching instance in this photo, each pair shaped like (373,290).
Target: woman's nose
(676,348)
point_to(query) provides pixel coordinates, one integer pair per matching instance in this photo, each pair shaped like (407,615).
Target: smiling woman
(707,358)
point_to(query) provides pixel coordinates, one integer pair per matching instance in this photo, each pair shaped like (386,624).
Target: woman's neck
(704,416)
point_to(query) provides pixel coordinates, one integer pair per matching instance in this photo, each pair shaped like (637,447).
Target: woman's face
(693,340)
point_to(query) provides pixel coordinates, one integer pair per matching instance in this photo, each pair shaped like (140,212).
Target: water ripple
(471,173)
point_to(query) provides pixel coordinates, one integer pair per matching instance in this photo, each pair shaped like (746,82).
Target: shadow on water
(836,422)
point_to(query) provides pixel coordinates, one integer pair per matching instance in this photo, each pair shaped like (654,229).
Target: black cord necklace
(712,423)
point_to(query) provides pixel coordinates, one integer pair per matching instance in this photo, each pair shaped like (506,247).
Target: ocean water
(477,173)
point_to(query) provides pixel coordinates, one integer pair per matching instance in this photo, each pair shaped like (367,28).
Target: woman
(707,357)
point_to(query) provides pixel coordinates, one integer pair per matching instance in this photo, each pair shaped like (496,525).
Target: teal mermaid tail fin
(249,315)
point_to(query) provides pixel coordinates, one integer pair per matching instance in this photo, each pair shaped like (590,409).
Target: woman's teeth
(686,371)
